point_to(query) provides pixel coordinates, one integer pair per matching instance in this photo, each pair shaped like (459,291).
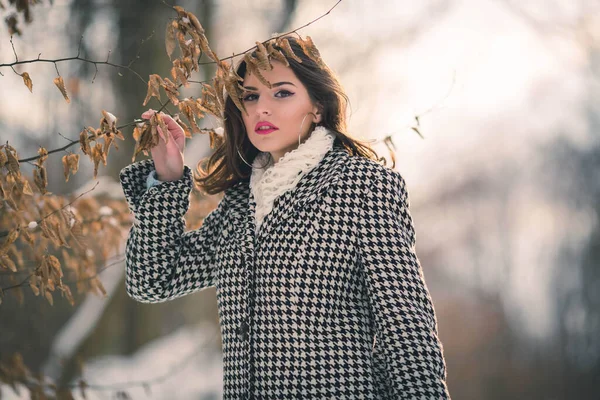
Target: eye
(249,97)
(284,93)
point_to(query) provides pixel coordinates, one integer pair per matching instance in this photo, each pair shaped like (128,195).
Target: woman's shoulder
(369,170)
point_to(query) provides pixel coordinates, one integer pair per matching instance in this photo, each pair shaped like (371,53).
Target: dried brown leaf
(97,156)
(171,91)
(3,158)
(43,154)
(10,239)
(84,142)
(61,237)
(309,48)
(183,44)
(78,236)
(25,187)
(203,42)
(209,101)
(251,64)
(181,77)
(170,41)
(276,54)
(154,83)
(60,84)
(48,296)
(33,285)
(28,238)
(70,164)
(49,231)
(186,128)
(108,140)
(287,49)
(54,264)
(219,84)
(7,263)
(179,10)
(44,272)
(13,162)
(16,254)
(195,23)
(74,163)
(67,293)
(235,92)
(263,57)
(188,110)
(40,179)
(27,81)
(163,126)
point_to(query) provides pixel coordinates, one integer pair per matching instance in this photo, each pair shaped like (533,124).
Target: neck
(276,155)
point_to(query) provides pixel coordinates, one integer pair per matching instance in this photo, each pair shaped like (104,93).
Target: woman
(311,250)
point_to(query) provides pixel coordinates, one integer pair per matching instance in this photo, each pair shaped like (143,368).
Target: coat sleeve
(163,262)
(406,327)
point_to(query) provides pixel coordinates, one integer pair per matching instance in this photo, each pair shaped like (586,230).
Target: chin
(270,146)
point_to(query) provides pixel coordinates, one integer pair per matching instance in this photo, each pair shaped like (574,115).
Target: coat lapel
(310,187)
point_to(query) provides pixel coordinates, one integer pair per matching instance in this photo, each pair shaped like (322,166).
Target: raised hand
(168,157)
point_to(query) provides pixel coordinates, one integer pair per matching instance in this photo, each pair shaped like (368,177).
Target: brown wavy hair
(224,168)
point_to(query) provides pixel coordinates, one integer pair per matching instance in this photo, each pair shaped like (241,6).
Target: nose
(263,107)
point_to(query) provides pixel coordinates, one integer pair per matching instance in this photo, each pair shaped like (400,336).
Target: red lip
(265,123)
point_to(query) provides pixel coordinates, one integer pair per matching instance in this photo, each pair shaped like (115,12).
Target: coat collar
(268,181)
(314,184)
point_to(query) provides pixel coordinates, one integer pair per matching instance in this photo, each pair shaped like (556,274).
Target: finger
(148,114)
(161,133)
(172,124)
(169,137)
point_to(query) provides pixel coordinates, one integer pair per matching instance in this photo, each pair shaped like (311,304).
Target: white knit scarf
(272,181)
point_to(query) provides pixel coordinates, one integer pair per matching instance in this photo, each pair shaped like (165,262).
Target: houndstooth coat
(326,301)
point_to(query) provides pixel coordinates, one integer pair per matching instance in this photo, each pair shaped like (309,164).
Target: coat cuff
(134,179)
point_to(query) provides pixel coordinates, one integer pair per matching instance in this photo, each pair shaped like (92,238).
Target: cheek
(296,110)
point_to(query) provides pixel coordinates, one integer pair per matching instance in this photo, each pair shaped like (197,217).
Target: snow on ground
(186,364)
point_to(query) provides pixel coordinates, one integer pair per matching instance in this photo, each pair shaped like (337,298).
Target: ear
(318,114)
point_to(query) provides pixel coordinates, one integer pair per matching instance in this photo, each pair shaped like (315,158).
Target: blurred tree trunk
(126,324)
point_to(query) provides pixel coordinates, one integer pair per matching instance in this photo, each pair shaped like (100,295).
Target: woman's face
(281,109)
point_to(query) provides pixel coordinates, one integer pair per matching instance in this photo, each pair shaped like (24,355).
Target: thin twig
(66,138)
(14,51)
(388,136)
(276,37)
(78,57)
(96,63)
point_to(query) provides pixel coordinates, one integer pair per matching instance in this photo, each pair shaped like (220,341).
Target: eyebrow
(273,84)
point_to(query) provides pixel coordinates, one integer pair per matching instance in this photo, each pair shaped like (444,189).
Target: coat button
(243,330)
